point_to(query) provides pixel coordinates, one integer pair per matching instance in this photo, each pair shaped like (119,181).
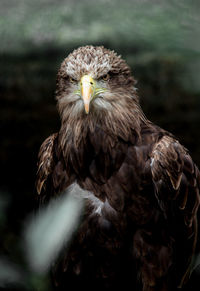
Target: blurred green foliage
(159,39)
(159,25)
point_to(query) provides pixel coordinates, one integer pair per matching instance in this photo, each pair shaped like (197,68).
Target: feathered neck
(123,121)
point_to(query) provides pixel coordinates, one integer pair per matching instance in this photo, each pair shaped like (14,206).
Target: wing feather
(45,162)
(173,168)
(176,180)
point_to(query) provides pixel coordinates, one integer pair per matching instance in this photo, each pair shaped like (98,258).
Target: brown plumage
(140,224)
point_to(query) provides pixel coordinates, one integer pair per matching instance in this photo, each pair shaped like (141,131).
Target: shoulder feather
(45,161)
(173,169)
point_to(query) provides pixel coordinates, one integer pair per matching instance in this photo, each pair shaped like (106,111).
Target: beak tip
(87,108)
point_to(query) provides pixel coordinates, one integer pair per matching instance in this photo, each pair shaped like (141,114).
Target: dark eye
(72,80)
(105,77)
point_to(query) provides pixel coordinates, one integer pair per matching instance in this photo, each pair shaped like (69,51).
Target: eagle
(140,226)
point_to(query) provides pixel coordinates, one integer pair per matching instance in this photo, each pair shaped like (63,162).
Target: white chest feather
(78,192)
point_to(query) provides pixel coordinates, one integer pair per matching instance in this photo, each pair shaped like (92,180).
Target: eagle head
(94,79)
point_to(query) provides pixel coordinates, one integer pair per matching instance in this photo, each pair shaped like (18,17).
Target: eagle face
(92,79)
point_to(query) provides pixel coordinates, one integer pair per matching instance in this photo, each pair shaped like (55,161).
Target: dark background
(159,39)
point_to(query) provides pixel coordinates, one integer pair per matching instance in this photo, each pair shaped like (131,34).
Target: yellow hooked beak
(87,91)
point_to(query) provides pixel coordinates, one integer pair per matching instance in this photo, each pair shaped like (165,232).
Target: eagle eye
(72,80)
(105,77)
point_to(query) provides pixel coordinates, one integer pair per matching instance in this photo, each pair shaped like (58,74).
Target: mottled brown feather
(45,162)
